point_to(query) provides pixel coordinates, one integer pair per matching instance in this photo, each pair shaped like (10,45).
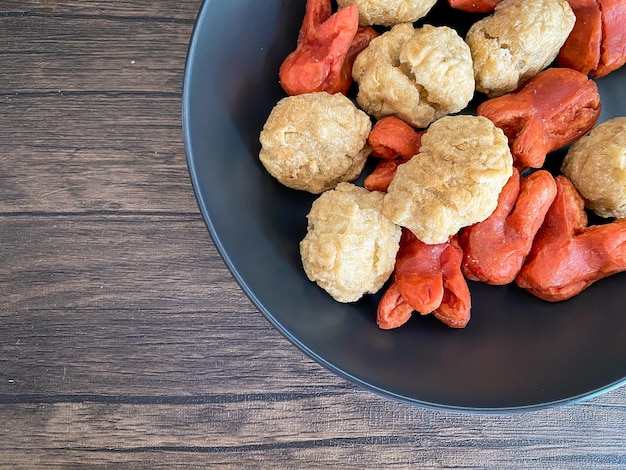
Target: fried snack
(313,141)
(350,246)
(551,110)
(427,279)
(495,249)
(517,41)
(454,181)
(596,165)
(418,275)
(327,47)
(392,137)
(474,6)
(381,177)
(613,47)
(361,41)
(597,44)
(393,311)
(389,12)
(568,256)
(417,75)
(395,142)
(581,50)
(456,304)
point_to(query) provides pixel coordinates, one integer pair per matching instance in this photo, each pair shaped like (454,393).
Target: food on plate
(417,75)
(326,49)
(350,246)
(382,175)
(392,137)
(389,12)
(393,311)
(597,44)
(361,41)
(495,250)
(456,305)
(517,41)
(313,141)
(551,110)
(463,164)
(613,46)
(418,275)
(426,279)
(461,197)
(474,6)
(581,50)
(596,165)
(394,142)
(567,256)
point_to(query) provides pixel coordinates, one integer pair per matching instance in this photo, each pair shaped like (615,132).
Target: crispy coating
(350,246)
(389,12)
(313,141)
(463,164)
(596,165)
(567,254)
(417,75)
(517,41)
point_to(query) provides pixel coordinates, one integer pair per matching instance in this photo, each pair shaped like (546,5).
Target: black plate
(517,353)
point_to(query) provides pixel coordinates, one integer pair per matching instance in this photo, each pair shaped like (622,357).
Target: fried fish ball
(417,75)
(517,41)
(389,12)
(313,141)
(596,165)
(350,246)
(463,164)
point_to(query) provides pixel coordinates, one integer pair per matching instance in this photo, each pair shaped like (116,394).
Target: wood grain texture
(124,340)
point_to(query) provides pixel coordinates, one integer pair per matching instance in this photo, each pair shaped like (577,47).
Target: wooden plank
(93,152)
(90,300)
(282,432)
(183,10)
(104,261)
(76,52)
(107,101)
(146,357)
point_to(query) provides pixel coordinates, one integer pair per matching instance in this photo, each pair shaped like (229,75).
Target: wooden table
(124,340)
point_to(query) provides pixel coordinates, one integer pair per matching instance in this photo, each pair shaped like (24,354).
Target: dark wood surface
(124,340)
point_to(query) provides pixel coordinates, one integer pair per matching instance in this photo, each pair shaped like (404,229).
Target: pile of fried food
(453,196)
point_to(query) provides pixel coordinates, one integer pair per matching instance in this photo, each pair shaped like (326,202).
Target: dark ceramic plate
(517,353)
